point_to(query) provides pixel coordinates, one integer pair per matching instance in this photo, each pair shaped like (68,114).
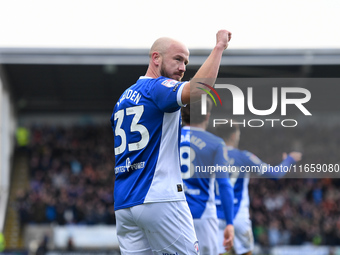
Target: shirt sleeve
(268,170)
(227,198)
(225,188)
(167,94)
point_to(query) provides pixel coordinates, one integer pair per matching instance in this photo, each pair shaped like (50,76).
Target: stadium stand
(71,182)
(71,178)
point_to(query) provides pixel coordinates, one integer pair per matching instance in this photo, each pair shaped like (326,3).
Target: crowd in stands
(72,178)
(295,211)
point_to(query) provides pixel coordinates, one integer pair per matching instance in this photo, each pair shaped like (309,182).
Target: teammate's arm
(270,171)
(226,192)
(288,160)
(229,234)
(208,71)
(227,200)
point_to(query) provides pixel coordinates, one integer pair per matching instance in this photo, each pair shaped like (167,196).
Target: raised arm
(208,71)
(277,171)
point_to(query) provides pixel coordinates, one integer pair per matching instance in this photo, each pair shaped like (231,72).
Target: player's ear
(156,58)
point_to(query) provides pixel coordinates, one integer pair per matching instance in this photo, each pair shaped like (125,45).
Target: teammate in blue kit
(244,242)
(199,151)
(151,212)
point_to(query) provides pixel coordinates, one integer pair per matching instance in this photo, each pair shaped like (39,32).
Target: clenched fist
(222,38)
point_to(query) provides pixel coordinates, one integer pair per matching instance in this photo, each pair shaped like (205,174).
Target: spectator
(299,203)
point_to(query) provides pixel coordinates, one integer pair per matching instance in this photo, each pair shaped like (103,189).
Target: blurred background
(64,64)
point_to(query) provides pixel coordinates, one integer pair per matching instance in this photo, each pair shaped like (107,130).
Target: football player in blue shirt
(151,212)
(244,241)
(201,154)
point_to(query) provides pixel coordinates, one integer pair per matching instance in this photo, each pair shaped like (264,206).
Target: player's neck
(152,72)
(231,144)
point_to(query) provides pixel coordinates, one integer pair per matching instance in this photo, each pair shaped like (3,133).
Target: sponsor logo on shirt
(128,166)
(170,83)
(175,88)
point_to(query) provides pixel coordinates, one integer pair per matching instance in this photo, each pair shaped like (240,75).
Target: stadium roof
(140,56)
(77,80)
